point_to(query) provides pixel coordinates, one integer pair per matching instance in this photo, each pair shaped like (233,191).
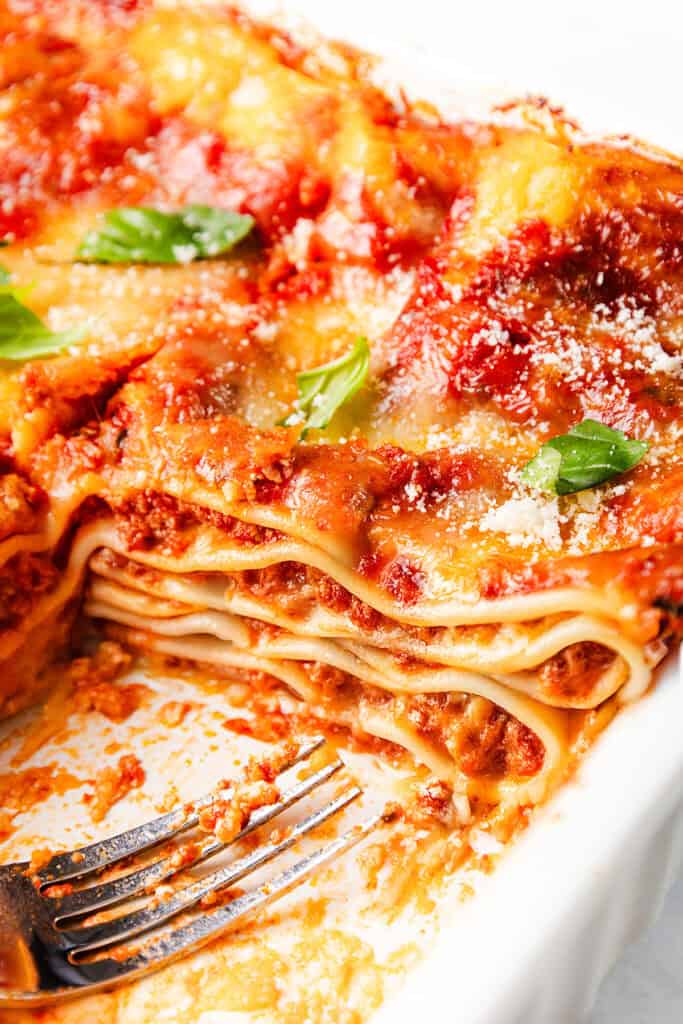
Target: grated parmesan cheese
(527,521)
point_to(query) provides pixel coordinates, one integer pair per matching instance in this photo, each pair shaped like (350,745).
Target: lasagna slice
(410,447)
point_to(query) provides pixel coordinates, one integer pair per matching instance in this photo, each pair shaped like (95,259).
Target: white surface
(595,874)
(614,64)
(646,987)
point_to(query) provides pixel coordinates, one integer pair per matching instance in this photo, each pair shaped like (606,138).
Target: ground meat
(94,683)
(20,505)
(403,580)
(274,579)
(109,661)
(337,689)
(184,855)
(298,588)
(284,584)
(367,618)
(430,711)
(23,579)
(327,677)
(226,818)
(113,784)
(524,750)
(434,801)
(105,559)
(501,746)
(335,597)
(331,594)
(574,671)
(150,519)
(482,738)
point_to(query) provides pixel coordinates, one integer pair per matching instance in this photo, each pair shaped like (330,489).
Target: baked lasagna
(306,383)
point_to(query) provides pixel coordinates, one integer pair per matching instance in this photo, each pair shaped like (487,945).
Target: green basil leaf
(324,389)
(589,454)
(23,335)
(4,275)
(543,470)
(145,235)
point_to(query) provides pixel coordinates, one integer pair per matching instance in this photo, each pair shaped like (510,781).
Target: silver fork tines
(96,897)
(49,951)
(65,867)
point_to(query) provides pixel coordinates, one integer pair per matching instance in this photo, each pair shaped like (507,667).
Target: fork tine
(96,897)
(77,864)
(95,936)
(205,928)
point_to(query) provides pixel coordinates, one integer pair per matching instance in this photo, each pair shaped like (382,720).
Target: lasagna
(307,383)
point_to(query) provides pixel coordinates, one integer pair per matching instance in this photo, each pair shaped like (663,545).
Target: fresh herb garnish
(145,235)
(324,388)
(23,335)
(589,454)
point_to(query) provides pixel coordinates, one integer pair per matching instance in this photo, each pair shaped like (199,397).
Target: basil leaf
(23,335)
(589,454)
(543,470)
(323,389)
(145,235)
(4,275)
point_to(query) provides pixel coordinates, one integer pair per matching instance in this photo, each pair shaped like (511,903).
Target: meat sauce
(152,519)
(574,671)
(24,580)
(483,739)
(297,589)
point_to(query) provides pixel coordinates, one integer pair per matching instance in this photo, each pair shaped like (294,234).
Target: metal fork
(45,950)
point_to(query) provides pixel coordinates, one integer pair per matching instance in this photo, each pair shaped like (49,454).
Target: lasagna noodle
(183,604)
(195,613)
(286,660)
(508,651)
(193,620)
(211,553)
(512,649)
